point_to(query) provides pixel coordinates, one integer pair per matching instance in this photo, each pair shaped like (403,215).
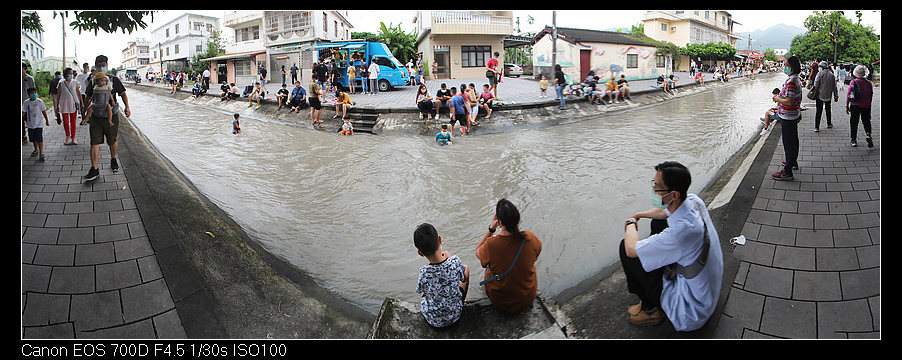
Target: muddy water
(343,209)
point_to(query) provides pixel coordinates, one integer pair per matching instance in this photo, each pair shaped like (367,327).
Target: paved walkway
(810,268)
(88,267)
(811,265)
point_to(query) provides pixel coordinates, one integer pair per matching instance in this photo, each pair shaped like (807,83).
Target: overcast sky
(86,45)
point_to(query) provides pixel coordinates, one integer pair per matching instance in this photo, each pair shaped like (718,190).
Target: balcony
(471,22)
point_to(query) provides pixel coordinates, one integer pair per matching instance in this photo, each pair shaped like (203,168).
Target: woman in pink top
(860,107)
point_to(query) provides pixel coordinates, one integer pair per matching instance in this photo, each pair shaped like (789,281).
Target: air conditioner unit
(673,28)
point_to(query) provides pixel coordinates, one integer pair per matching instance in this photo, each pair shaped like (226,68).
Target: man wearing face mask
(97,129)
(676,273)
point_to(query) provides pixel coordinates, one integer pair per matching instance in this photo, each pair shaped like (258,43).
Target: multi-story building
(32,44)
(461,42)
(136,57)
(274,39)
(177,41)
(683,27)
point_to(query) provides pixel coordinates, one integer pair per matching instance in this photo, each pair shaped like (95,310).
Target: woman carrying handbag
(68,103)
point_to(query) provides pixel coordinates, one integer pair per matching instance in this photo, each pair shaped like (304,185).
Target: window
(199,48)
(296,20)
(176,29)
(663,27)
(272,22)
(176,48)
(632,61)
(474,56)
(325,24)
(167,32)
(660,61)
(384,61)
(243,68)
(248,33)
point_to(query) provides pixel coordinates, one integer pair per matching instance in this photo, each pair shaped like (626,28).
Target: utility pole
(553,41)
(63,20)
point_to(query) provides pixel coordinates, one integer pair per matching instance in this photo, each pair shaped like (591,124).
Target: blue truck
(359,54)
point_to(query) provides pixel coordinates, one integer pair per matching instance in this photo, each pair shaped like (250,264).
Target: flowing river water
(343,209)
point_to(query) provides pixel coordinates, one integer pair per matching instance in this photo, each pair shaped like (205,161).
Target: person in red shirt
(493,73)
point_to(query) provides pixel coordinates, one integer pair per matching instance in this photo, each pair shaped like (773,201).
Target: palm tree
(402,45)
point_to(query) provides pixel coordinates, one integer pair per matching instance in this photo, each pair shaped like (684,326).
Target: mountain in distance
(775,37)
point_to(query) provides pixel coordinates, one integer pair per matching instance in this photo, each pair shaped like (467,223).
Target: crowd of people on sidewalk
(822,85)
(92,95)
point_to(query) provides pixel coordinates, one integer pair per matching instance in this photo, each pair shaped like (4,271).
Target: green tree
(712,51)
(365,36)
(108,21)
(32,22)
(214,48)
(770,55)
(402,45)
(832,36)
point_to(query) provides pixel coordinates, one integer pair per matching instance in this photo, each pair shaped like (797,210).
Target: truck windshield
(384,61)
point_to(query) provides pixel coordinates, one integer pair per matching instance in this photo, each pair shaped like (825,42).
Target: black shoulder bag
(691,271)
(498,277)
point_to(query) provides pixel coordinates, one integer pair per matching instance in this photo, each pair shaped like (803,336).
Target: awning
(234,56)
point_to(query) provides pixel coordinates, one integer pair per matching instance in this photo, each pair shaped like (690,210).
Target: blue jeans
(559,90)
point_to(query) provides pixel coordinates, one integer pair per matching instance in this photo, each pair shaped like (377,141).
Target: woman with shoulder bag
(67,102)
(509,258)
(858,103)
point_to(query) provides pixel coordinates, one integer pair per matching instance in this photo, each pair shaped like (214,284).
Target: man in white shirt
(374,77)
(206,79)
(677,272)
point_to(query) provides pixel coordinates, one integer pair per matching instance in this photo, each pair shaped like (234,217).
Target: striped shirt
(792,88)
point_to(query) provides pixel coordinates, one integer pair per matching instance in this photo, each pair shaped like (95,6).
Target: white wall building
(683,27)
(136,57)
(177,41)
(32,44)
(273,39)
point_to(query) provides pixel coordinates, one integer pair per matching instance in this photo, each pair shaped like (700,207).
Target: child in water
(236,128)
(347,128)
(767,114)
(443,137)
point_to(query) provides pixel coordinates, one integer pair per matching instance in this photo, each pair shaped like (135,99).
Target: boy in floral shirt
(443,282)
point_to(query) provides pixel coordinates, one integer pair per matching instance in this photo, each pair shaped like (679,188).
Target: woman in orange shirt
(509,258)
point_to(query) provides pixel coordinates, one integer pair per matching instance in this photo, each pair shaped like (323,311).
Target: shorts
(493,80)
(299,103)
(100,128)
(314,103)
(459,118)
(474,109)
(36,135)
